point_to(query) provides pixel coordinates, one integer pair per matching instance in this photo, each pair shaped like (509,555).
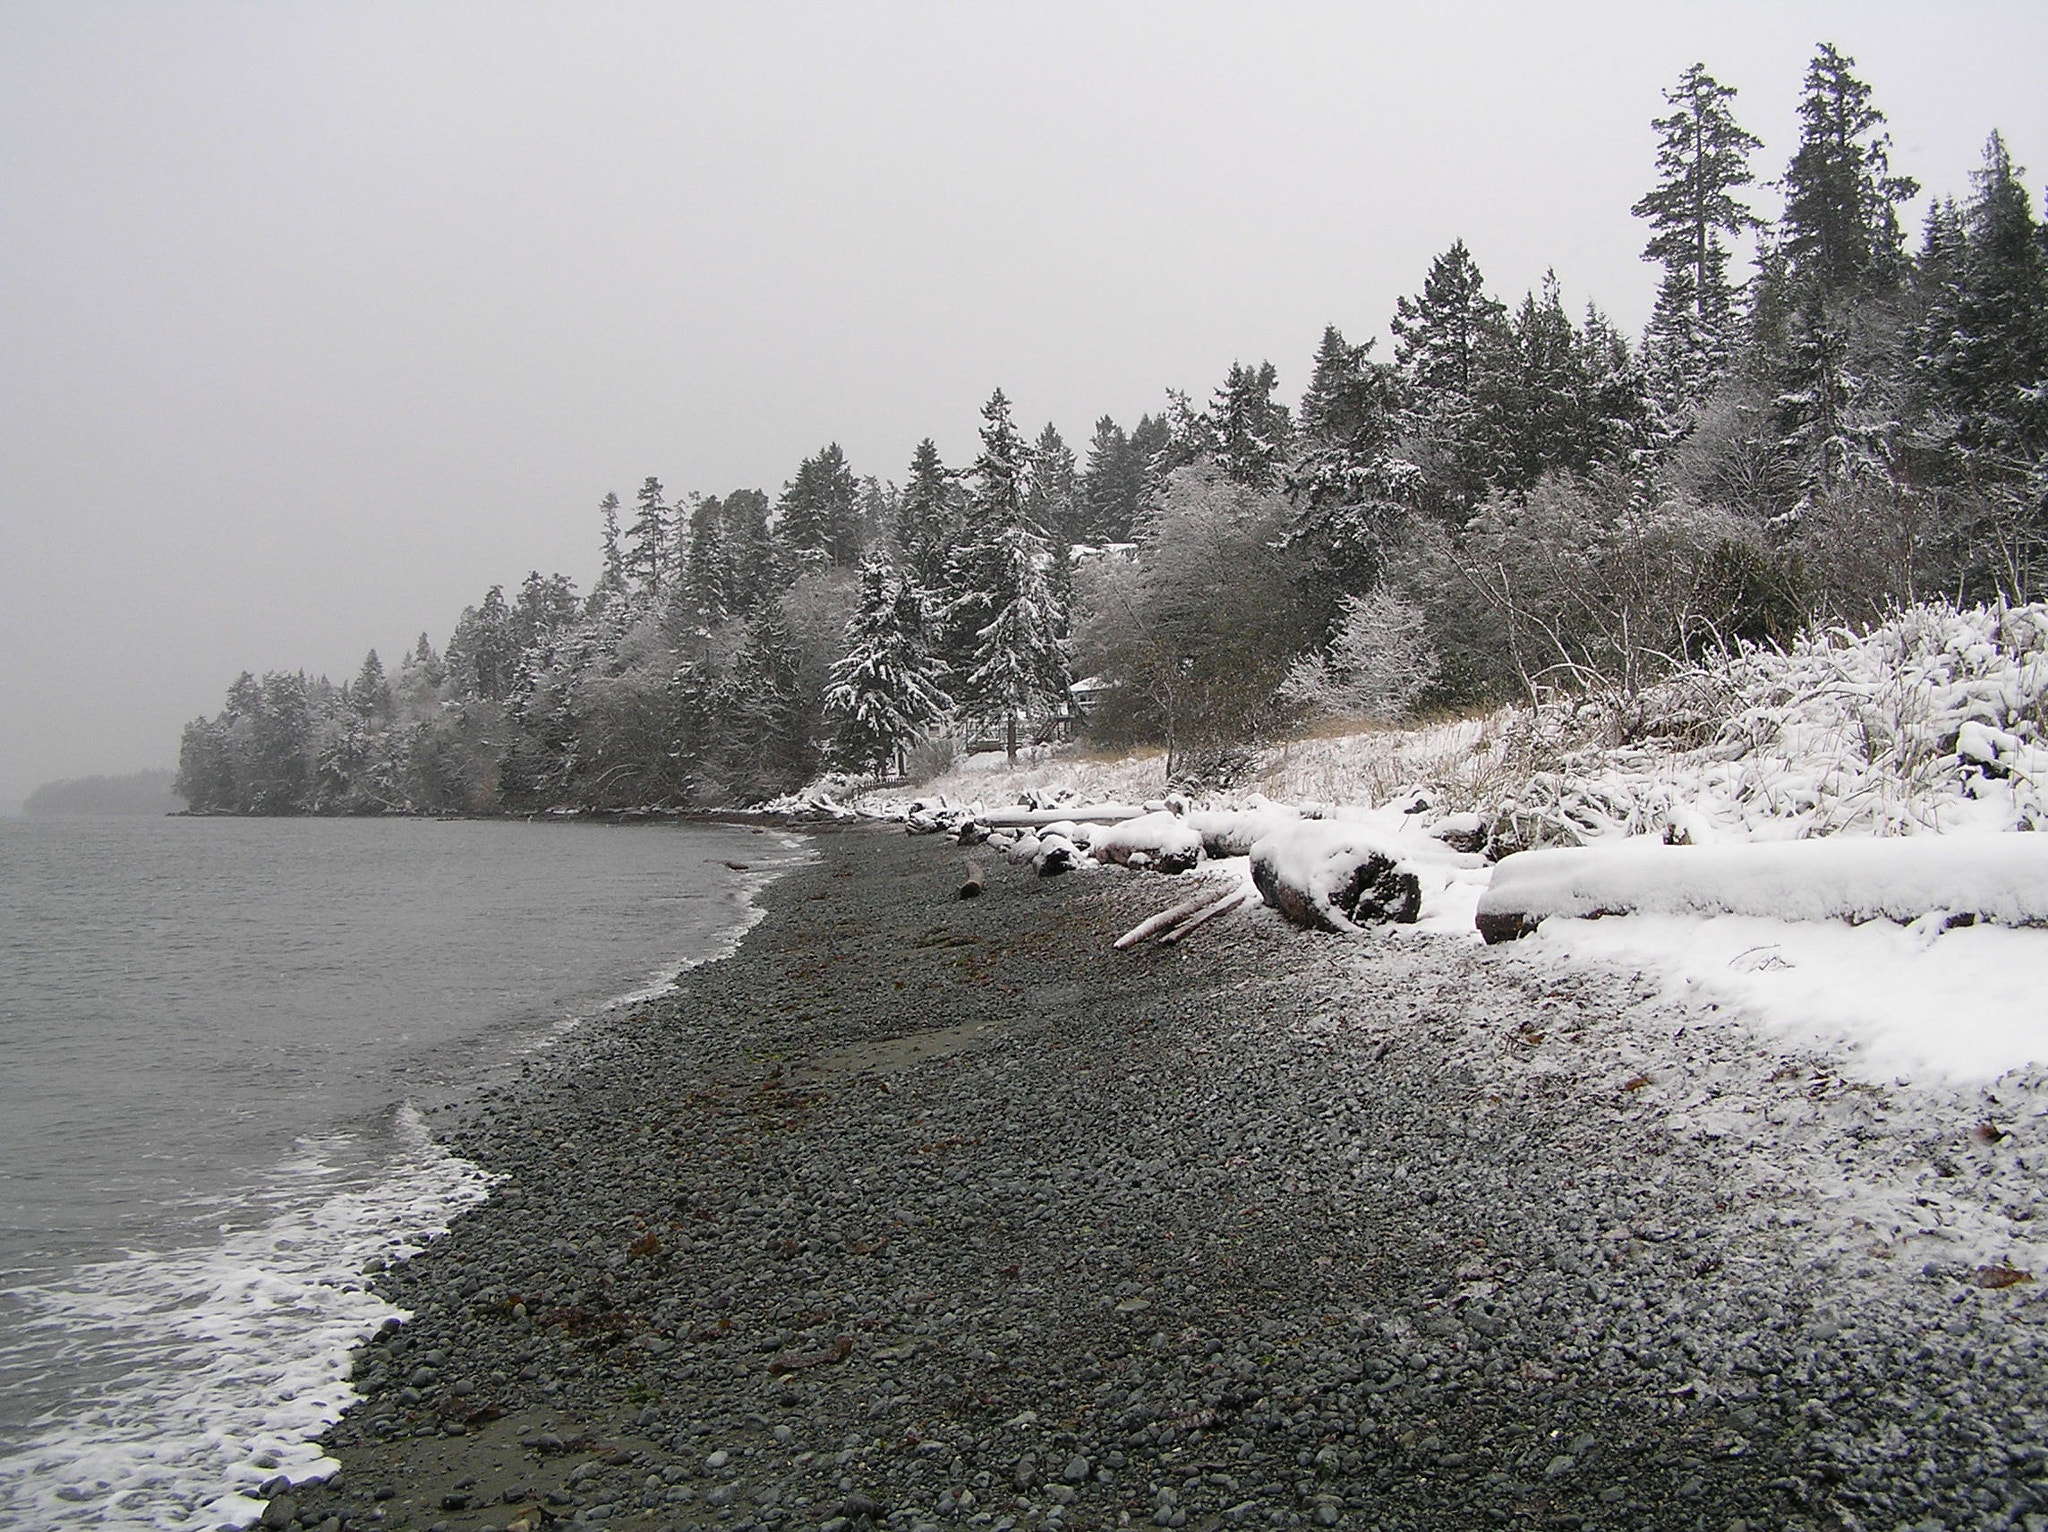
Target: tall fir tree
(1348,489)
(928,515)
(1019,665)
(820,507)
(1702,162)
(884,693)
(650,538)
(1537,412)
(1052,492)
(370,694)
(611,578)
(1250,429)
(751,549)
(1994,363)
(1840,245)
(482,652)
(995,502)
(1187,437)
(1112,484)
(1006,633)
(1840,229)
(709,574)
(1444,339)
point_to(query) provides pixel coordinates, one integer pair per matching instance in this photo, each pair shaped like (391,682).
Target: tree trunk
(1010,739)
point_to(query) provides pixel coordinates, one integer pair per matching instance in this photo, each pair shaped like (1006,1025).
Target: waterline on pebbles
(924,1211)
(235,1355)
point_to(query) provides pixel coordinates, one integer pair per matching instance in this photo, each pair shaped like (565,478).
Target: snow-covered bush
(1376,667)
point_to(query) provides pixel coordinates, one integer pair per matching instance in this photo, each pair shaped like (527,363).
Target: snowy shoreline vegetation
(1894,778)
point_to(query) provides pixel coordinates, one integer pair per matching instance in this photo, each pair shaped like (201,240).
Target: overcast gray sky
(317,320)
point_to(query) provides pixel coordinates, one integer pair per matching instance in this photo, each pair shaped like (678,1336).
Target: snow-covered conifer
(884,693)
(1702,162)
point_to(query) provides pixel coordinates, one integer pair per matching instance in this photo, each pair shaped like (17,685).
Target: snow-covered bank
(1910,762)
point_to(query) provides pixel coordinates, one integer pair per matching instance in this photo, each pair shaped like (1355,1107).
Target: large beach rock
(1334,877)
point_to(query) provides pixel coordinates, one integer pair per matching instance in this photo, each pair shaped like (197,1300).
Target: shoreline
(916,1212)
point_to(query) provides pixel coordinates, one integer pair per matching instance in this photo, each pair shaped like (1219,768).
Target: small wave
(230,1359)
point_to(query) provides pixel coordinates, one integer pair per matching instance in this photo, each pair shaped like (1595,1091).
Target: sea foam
(232,1358)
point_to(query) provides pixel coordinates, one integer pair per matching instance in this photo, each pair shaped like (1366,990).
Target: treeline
(141,792)
(1516,500)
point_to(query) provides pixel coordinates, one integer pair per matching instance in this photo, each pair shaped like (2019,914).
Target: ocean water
(218,1043)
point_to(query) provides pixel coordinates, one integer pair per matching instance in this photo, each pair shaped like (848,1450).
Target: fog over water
(316,320)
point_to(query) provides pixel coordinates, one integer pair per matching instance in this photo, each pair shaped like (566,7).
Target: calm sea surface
(216,1038)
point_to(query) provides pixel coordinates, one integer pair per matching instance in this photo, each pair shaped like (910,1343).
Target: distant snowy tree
(819,511)
(611,579)
(1981,370)
(1840,230)
(483,654)
(1189,436)
(709,576)
(884,694)
(1536,407)
(995,504)
(1349,486)
(1994,365)
(1006,623)
(928,515)
(749,548)
(1112,484)
(1019,664)
(649,538)
(370,693)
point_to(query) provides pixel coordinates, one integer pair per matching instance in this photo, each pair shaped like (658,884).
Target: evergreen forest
(1514,500)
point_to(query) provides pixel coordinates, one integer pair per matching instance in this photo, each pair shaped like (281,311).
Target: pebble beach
(922,1212)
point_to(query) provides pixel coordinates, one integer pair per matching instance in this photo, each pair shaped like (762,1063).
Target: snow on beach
(1907,763)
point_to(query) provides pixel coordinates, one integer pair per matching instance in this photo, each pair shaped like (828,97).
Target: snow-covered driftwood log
(1159,842)
(1331,876)
(1998,879)
(1093,813)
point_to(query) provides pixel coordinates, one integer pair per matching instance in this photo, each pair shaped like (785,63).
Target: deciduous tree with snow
(1376,667)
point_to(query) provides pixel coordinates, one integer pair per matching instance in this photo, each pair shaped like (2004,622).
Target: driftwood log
(971,885)
(1179,920)
(1091,813)
(1200,918)
(1158,842)
(1330,877)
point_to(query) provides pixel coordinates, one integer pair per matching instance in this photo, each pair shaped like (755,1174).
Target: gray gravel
(928,1213)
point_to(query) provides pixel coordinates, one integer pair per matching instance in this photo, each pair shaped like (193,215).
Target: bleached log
(1200,918)
(1174,916)
(971,885)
